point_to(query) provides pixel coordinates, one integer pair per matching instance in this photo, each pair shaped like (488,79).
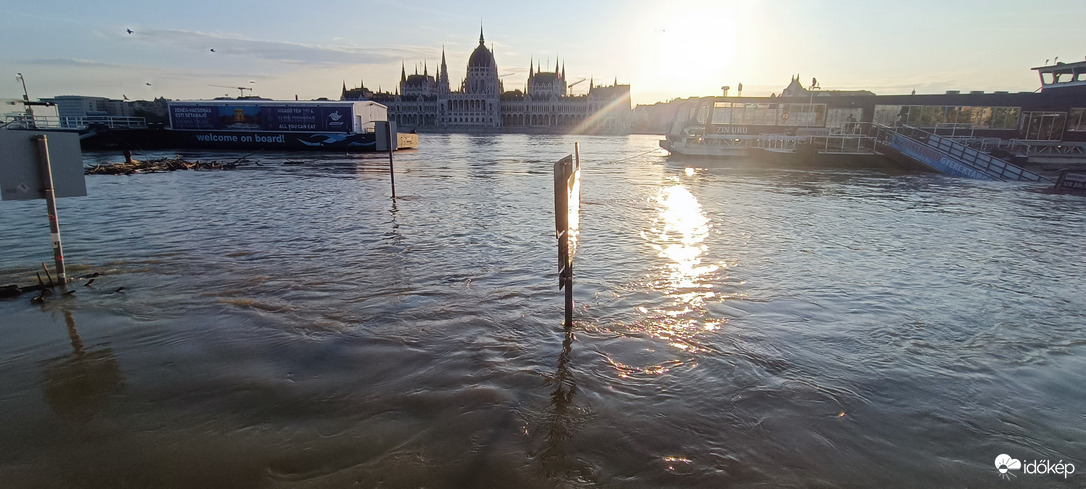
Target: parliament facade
(481,103)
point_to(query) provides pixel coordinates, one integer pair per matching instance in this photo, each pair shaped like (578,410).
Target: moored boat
(1044,127)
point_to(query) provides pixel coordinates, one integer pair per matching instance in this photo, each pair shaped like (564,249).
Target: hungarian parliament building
(482,104)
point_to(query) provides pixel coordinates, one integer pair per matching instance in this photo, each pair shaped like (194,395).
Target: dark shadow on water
(79,386)
(561,423)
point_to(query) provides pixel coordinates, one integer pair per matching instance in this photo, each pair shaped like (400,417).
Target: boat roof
(1062,75)
(1063,68)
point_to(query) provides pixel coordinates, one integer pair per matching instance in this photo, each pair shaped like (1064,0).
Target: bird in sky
(148,83)
(129,30)
(213,50)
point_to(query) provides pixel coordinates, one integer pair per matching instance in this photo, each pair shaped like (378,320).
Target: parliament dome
(481,57)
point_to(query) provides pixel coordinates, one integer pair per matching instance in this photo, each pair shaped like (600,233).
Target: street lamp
(26,101)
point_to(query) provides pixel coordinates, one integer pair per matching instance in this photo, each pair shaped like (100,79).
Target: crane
(570,86)
(241,90)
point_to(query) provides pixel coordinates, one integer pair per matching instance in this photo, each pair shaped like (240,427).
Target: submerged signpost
(567,207)
(387,131)
(36,165)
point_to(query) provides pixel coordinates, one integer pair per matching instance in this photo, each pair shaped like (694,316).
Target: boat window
(887,115)
(927,116)
(803,115)
(703,114)
(1005,117)
(744,113)
(722,115)
(1043,126)
(1076,119)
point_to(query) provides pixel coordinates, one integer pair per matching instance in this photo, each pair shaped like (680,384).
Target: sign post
(51,204)
(391,148)
(567,204)
(35,165)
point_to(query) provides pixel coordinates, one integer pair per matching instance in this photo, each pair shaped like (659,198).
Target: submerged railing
(949,156)
(982,161)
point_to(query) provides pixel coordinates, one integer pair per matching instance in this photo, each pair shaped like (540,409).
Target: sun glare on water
(685,277)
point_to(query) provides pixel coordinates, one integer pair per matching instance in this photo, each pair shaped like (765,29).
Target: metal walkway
(950,157)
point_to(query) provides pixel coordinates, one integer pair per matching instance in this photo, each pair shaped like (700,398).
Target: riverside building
(481,104)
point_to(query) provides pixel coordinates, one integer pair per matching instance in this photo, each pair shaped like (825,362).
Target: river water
(288,324)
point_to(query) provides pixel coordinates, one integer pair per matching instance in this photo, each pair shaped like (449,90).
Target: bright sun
(689,49)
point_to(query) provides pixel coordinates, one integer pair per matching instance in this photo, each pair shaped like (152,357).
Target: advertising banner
(249,117)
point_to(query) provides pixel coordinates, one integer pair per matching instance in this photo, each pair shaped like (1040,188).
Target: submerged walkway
(948,156)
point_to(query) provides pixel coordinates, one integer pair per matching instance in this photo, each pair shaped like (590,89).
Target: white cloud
(271,50)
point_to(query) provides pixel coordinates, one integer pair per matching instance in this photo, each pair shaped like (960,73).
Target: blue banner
(194,117)
(243,117)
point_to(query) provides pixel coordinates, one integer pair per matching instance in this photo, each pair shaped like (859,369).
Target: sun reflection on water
(678,236)
(681,240)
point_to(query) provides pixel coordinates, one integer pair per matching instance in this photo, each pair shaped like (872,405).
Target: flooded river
(288,324)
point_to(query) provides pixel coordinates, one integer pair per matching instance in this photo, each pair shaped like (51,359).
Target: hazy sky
(663,49)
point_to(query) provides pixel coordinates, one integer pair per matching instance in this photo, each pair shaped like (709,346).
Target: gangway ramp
(947,156)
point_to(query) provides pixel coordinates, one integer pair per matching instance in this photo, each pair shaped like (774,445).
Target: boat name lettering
(731,129)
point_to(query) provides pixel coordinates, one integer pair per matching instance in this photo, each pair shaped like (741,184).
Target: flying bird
(129,30)
(213,50)
(148,83)
(125,96)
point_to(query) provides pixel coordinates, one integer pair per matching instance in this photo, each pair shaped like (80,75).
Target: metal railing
(981,160)
(1045,148)
(76,123)
(954,129)
(949,156)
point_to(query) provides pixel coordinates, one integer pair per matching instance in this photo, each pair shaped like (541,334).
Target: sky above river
(201,49)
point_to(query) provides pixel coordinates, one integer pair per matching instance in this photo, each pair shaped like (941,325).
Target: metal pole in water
(391,170)
(51,204)
(569,257)
(569,267)
(566,220)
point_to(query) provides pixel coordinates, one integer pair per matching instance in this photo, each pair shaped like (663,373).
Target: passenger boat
(1048,122)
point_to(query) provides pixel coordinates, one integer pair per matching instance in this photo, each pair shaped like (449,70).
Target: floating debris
(161,164)
(45,290)
(10,290)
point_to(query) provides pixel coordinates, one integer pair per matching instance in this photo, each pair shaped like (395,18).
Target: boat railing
(1030,147)
(950,153)
(779,142)
(981,160)
(80,123)
(954,129)
(850,138)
